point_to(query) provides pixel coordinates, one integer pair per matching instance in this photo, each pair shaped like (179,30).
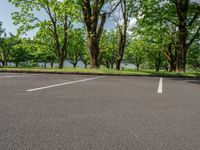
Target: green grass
(102,71)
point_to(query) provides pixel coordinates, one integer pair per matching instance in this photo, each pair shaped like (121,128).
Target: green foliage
(163,36)
(109,48)
(2,36)
(18,54)
(7,45)
(136,53)
(76,47)
(2,31)
(58,21)
(44,45)
(27,18)
(193,56)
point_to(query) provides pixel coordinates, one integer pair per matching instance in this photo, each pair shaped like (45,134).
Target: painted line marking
(5,73)
(160,86)
(15,76)
(65,83)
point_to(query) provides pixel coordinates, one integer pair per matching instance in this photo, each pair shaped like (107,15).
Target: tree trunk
(138,67)
(16,64)
(85,65)
(107,64)
(74,65)
(118,64)
(171,58)
(52,64)
(182,10)
(112,65)
(61,63)
(182,49)
(122,44)
(6,63)
(3,63)
(172,66)
(172,63)
(158,63)
(157,67)
(45,64)
(94,52)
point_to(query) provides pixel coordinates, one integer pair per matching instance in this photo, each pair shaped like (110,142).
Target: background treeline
(155,34)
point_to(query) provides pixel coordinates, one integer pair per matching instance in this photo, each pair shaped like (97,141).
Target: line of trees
(165,33)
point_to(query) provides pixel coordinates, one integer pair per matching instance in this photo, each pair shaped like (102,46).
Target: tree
(127,10)
(176,26)
(76,46)
(94,16)
(188,15)
(18,53)
(2,40)
(61,14)
(7,44)
(193,56)
(85,58)
(135,53)
(44,44)
(31,48)
(155,56)
(109,48)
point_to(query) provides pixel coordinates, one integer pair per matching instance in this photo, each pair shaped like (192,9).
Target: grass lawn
(102,71)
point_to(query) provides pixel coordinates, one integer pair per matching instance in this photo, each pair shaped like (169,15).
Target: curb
(100,74)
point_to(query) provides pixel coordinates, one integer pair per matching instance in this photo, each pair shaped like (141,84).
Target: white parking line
(61,84)
(160,86)
(15,76)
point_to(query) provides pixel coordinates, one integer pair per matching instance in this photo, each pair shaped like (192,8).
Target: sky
(6,10)
(5,16)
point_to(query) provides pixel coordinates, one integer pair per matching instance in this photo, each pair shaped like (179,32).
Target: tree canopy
(157,34)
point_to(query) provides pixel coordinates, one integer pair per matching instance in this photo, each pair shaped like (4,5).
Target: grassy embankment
(103,71)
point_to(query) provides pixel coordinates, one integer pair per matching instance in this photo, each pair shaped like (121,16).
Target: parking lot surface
(71,112)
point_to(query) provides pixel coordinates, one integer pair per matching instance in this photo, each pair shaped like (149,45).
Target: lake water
(80,64)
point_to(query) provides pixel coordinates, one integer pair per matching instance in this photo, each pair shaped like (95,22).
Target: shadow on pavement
(192,81)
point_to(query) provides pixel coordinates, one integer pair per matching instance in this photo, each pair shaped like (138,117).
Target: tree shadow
(195,82)
(189,80)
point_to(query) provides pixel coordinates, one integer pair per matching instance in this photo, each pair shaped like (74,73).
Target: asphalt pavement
(72,112)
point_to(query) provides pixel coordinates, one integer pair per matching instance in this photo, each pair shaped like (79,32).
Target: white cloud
(198,1)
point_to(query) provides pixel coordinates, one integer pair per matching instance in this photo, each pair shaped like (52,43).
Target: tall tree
(127,10)
(94,16)
(60,15)
(188,15)
(176,23)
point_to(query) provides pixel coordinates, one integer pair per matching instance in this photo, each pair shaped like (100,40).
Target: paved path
(106,113)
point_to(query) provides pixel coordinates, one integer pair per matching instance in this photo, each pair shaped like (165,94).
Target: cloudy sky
(198,1)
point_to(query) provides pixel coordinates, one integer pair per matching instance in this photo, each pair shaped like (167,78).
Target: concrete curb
(99,74)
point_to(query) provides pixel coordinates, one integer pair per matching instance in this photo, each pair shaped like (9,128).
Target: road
(71,112)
